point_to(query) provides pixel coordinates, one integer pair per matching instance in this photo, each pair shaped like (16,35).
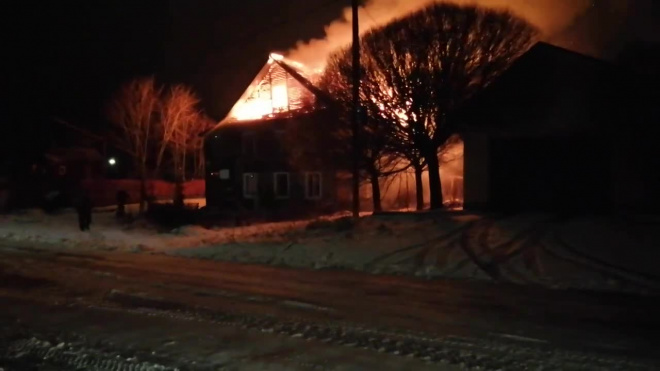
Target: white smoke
(550,16)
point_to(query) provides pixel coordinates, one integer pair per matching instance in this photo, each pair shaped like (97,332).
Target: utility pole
(356,111)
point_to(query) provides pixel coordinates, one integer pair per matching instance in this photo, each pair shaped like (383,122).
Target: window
(313,185)
(249,143)
(224,174)
(281,185)
(250,185)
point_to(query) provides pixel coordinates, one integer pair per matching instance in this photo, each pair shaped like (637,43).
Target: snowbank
(594,253)
(379,244)
(60,231)
(631,243)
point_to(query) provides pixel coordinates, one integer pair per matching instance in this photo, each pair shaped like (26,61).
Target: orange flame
(273,92)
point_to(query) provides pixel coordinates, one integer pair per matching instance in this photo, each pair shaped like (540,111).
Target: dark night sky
(64,58)
(67,57)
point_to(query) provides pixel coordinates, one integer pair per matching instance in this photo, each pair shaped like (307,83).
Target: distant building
(52,179)
(562,131)
(75,164)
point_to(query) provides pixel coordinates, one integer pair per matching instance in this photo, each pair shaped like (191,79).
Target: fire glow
(273,92)
(550,16)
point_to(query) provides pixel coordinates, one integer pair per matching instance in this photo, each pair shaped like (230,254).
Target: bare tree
(180,127)
(179,119)
(419,69)
(156,127)
(327,143)
(134,112)
(196,144)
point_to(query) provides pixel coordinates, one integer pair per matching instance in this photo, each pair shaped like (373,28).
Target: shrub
(169,216)
(339,225)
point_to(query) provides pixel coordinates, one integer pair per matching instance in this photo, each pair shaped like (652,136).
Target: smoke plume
(550,16)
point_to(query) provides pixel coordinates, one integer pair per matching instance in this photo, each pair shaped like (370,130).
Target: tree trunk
(375,192)
(435,185)
(143,191)
(419,187)
(202,162)
(184,150)
(178,194)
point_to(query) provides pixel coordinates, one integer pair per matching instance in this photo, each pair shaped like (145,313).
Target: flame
(252,110)
(276,57)
(273,92)
(280,98)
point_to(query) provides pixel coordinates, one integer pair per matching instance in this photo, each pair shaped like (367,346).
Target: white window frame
(288,185)
(245,189)
(224,174)
(308,195)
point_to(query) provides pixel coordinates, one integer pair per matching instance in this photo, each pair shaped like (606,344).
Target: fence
(104,192)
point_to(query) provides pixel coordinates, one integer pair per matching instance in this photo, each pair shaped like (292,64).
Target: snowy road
(140,311)
(92,338)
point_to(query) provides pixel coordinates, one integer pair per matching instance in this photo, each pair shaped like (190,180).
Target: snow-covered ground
(601,253)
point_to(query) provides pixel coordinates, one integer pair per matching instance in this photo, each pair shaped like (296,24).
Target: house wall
(559,173)
(636,153)
(545,137)
(297,200)
(477,170)
(265,154)
(635,174)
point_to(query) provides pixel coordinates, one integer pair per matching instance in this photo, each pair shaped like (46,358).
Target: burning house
(248,164)
(556,131)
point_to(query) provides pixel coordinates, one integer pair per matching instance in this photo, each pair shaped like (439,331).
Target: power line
(370,16)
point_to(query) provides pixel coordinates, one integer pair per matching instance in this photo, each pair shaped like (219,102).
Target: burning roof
(281,88)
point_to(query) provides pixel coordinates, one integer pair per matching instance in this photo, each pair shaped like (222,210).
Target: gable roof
(278,90)
(544,84)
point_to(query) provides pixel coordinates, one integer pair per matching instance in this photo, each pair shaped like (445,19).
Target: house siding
(224,148)
(476,157)
(549,173)
(562,132)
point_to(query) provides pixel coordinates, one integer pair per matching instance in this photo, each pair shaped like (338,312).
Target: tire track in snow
(496,352)
(24,353)
(424,248)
